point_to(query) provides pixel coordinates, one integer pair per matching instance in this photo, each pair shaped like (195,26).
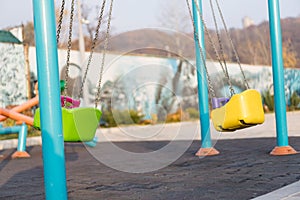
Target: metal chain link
(210,86)
(98,95)
(92,48)
(60,19)
(210,38)
(225,69)
(232,45)
(69,50)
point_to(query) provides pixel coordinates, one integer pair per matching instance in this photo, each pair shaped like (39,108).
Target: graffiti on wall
(12,70)
(149,85)
(162,86)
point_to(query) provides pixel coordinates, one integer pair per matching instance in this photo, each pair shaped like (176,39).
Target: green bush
(193,113)
(108,118)
(294,102)
(268,101)
(117,117)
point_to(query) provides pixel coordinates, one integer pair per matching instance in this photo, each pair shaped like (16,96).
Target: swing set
(228,114)
(79,123)
(239,111)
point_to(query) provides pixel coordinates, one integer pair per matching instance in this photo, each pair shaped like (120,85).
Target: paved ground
(243,170)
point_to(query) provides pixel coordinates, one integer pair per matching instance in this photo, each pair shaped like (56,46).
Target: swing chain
(232,45)
(210,86)
(63,2)
(225,69)
(69,49)
(107,37)
(95,39)
(106,40)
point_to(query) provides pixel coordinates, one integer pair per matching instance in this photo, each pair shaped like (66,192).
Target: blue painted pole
(8,130)
(22,138)
(49,96)
(201,77)
(278,73)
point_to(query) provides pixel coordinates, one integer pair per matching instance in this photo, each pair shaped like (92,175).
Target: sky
(136,14)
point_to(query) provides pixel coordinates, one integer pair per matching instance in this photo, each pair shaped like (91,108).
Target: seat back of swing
(79,124)
(241,111)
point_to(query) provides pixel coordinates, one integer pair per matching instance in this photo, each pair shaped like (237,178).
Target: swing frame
(240,110)
(79,124)
(53,146)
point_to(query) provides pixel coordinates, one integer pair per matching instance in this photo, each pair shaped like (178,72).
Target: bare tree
(177,19)
(29,34)
(90,17)
(289,54)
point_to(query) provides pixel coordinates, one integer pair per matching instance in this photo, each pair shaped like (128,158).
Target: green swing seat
(79,124)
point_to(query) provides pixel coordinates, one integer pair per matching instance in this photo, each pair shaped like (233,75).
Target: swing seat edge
(79,124)
(241,111)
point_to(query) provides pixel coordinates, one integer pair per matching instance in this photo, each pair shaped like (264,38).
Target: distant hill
(252,43)
(153,42)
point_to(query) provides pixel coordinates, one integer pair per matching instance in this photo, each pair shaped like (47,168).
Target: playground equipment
(15,114)
(20,108)
(80,124)
(68,102)
(22,134)
(239,110)
(76,120)
(217,114)
(46,48)
(228,114)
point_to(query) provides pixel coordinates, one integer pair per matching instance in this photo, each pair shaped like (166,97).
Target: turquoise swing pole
(206,144)
(49,97)
(283,147)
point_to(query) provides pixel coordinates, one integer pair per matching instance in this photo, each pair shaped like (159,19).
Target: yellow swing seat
(241,111)
(79,124)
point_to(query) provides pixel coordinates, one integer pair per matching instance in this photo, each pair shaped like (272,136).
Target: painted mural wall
(13,78)
(148,85)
